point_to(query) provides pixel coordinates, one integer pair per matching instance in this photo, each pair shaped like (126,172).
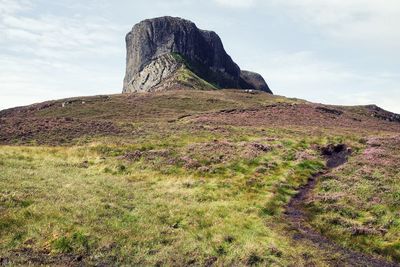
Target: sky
(326,51)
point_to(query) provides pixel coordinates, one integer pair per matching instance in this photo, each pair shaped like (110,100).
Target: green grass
(86,200)
(188,78)
(187,75)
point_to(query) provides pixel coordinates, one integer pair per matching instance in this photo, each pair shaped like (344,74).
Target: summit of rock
(167,51)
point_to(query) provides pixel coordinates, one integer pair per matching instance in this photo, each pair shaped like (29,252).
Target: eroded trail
(296,216)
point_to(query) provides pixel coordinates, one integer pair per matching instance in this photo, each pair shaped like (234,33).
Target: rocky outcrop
(157,49)
(252,80)
(153,73)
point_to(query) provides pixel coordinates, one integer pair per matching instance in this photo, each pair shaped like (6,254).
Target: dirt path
(296,216)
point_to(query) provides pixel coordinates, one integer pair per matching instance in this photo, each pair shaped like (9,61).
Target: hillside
(191,177)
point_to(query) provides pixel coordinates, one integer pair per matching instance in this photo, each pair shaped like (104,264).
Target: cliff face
(152,47)
(152,75)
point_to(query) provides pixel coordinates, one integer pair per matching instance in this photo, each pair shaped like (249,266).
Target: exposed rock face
(153,73)
(253,80)
(157,48)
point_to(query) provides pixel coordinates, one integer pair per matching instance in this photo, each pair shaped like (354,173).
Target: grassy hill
(193,177)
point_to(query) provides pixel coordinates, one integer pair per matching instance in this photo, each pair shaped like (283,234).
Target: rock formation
(175,50)
(252,80)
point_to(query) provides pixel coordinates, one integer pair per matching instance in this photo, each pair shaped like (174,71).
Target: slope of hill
(194,177)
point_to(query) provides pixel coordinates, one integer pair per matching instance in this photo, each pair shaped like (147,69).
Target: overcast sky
(329,51)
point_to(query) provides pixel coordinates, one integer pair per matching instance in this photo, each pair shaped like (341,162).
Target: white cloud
(304,75)
(45,56)
(369,23)
(13,6)
(52,49)
(25,81)
(236,3)
(56,37)
(51,36)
